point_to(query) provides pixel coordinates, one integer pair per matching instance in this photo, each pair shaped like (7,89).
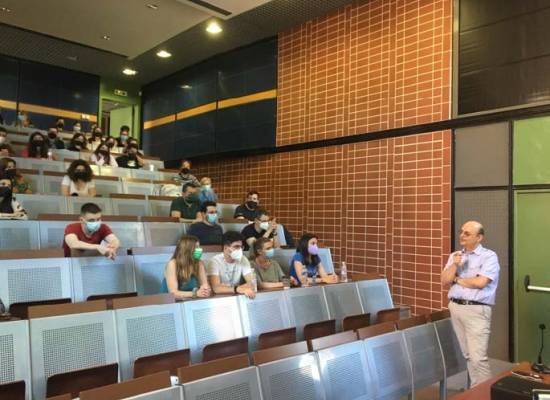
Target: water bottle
(254,282)
(50,155)
(344,273)
(304,277)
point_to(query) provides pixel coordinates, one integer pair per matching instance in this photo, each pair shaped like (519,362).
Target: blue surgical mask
(93,226)
(212,218)
(270,253)
(264,226)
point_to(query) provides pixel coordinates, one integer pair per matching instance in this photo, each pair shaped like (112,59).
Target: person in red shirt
(89,233)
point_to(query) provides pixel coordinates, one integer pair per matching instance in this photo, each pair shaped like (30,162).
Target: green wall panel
(532,151)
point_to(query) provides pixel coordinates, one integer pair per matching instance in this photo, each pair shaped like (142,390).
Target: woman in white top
(102,156)
(78,181)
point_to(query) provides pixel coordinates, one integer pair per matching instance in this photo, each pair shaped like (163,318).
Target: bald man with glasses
(471,275)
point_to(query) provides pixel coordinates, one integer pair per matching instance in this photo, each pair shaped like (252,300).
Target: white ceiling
(132,26)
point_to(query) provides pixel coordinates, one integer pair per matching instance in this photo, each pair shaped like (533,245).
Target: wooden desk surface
(483,390)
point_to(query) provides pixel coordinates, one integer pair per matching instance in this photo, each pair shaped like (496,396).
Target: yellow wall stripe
(196,111)
(159,121)
(11,105)
(57,112)
(192,112)
(237,101)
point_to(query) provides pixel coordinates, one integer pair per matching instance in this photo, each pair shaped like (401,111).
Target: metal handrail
(532,288)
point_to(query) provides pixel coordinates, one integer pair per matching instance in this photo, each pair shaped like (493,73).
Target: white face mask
(76,128)
(264,226)
(237,254)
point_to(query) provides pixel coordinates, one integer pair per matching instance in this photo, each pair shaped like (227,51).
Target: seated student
(307,257)
(97,137)
(37,147)
(133,141)
(77,128)
(60,124)
(262,227)
(78,142)
(89,233)
(185,175)
(110,141)
(249,209)
(187,207)
(54,142)
(123,136)
(9,206)
(185,274)
(130,159)
(268,270)
(227,270)
(208,230)
(6,150)
(3,135)
(19,184)
(102,156)
(78,181)
(206,193)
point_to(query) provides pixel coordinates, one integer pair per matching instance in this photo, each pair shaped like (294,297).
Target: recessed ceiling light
(214,28)
(129,71)
(106,37)
(186,87)
(5,9)
(164,54)
(152,6)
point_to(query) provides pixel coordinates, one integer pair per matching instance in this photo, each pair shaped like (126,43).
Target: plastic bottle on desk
(304,277)
(344,273)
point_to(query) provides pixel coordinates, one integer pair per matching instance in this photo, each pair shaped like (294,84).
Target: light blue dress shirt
(482,262)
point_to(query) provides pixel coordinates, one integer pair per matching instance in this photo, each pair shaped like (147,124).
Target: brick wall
(382,206)
(371,66)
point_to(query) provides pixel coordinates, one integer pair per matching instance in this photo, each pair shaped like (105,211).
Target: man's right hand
(457,258)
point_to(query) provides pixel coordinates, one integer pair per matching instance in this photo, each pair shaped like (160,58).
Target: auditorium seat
(319,329)
(354,322)
(375,296)
(13,390)
(52,181)
(115,171)
(376,329)
(159,206)
(105,185)
(74,382)
(168,361)
(75,203)
(452,355)
(410,322)
(206,369)
(33,177)
(439,315)
(306,306)
(129,204)
(391,314)
(342,300)
(225,349)
(19,235)
(276,338)
(162,233)
(332,340)
(21,309)
(110,297)
(137,186)
(234,385)
(15,366)
(36,204)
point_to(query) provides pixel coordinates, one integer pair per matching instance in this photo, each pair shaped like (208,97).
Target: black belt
(468,302)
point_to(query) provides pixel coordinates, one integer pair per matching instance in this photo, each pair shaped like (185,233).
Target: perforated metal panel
(452,355)
(148,330)
(105,188)
(36,182)
(130,207)
(283,257)
(235,227)
(171,393)
(293,378)
(149,271)
(52,234)
(389,362)
(15,353)
(226,210)
(425,355)
(65,343)
(267,312)
(130,234)
(46,165)
(75,203)
(159,208)
(34,279)
(110,171)
(36,204)
(146,173)
(326,258)
(242,384)
(210,321)
(342,300)
(52,184)
(137,188)
(99,275)
(345,373)
(375,296)
(19,235)
(306,305)
(162,233)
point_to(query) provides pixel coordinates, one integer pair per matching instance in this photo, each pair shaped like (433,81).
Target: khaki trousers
(472,325)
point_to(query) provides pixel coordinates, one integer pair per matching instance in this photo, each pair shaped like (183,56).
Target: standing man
(471,275)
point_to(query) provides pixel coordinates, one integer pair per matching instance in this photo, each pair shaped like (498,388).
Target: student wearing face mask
(249,210)
(187,207)
(8,168)
(185,175)
(78,142)
(37,147)
(9,206)
(268,270)
(264,227)
(185,274)
(54,142)
(131,158)
(60,124)
(110,142)
(227,270)
(23,119)
(77,128)
(78,181)
(208,230)
(307,257)
(97,137)
(90,233)
(3,135)
(206,193)
(102,156)
(124,135)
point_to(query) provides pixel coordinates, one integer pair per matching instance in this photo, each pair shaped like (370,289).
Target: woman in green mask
(184,275)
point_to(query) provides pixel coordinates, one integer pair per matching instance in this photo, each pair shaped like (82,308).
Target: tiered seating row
(69,342)
(24,280)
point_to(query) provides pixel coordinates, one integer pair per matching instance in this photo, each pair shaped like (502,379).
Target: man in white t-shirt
(226,270)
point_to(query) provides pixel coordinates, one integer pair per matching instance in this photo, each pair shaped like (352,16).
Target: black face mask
(52,135)
(251,204)
(60,125)
(10,173)
(81,175)
(110,145)
(37,143)
(104,153)
(98,134)
(185,171)
(5,191)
